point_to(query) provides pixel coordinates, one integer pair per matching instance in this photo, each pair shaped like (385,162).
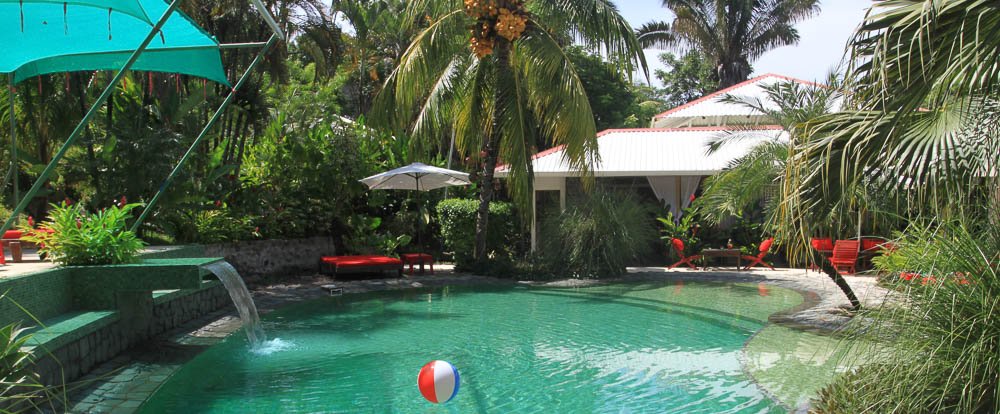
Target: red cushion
(869,243)
(766,245)
(822,244)
(361,261)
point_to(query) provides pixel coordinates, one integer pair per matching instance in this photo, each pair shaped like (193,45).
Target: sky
(820,49)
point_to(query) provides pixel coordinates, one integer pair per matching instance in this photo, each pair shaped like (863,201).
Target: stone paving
(121,385)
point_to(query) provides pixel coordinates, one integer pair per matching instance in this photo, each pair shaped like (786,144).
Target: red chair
(873,244)
(679,248)
(765,246)
(845,255)
(823,245)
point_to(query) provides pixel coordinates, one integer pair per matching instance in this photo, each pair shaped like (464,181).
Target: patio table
(737,253)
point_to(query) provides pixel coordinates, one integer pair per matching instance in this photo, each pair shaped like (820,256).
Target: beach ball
(438,381)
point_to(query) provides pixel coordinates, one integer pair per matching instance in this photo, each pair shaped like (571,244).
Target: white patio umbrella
(416,176)
(419,177)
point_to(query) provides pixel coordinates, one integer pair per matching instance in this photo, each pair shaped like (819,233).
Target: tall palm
(514,84)
(733,33)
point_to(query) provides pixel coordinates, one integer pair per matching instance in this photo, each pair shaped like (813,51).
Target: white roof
(653,152)
(711,110)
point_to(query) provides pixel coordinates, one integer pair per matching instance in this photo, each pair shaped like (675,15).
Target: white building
(670,159)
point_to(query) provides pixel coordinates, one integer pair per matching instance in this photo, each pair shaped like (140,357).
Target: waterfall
(241,298)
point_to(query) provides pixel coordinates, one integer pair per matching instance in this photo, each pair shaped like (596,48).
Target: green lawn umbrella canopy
(43,36)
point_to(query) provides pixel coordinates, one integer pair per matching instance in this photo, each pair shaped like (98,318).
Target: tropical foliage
(72,237)
(920,124)
(731,33)
(937,352)
(598,236)
(499,88)
(686,78)
(457,218)
(19,384)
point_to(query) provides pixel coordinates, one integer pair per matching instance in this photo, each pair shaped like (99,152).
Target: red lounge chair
(759,259)
(845,255)
(679,248)
(360,264)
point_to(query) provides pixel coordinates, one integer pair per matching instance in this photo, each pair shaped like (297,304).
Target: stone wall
(169,310)
(257,258)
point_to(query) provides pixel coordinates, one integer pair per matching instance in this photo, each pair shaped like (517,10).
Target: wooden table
(725,253)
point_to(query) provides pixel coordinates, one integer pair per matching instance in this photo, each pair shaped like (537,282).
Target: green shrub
(367,238)
(457,218)
(219,226)
(599,237)
(72,237)
(942,334)
(19,384)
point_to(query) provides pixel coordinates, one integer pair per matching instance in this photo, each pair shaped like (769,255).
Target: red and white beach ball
(438,381)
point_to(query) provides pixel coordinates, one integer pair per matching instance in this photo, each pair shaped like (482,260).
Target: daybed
(335,265)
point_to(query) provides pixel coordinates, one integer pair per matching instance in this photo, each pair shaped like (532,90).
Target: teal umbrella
(43,36)
(47,36)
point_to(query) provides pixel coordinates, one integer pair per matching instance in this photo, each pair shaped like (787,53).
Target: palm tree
(923,114)
(733,33)
(922,121)
(508,83)
(755,179)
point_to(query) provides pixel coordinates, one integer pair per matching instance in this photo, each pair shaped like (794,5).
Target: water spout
(241,298)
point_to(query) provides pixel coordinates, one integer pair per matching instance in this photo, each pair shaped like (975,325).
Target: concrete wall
(257,258)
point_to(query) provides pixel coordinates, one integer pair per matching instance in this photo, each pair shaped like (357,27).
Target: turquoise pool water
(663,348)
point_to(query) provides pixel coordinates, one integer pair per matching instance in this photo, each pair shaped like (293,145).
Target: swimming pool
(620,348)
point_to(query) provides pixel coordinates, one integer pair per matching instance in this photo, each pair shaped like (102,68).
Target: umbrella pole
(420,215)
(13,140)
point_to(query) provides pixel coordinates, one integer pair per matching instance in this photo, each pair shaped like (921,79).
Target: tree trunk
(491,148)
(733,72)
(91,152)
(839,280)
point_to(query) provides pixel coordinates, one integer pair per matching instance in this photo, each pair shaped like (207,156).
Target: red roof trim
(605,132)
(730,89)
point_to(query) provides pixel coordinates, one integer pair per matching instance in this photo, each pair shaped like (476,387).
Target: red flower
(218,203)
(31,221)
(68,202)
(907,276)
(79,224)
(691,198)
(121,202)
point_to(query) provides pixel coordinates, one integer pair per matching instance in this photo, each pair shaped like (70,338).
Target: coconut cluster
(504,18)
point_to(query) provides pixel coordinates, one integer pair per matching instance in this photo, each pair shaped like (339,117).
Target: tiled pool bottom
(121,385)
(771,357)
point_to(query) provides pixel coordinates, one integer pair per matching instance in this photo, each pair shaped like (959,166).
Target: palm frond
(425,62)
(656,35)
(597,25)
(557,98)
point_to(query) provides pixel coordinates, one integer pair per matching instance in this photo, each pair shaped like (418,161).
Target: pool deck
(122,384)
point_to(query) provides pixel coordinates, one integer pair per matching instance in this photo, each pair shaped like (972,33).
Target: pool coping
(213,328)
